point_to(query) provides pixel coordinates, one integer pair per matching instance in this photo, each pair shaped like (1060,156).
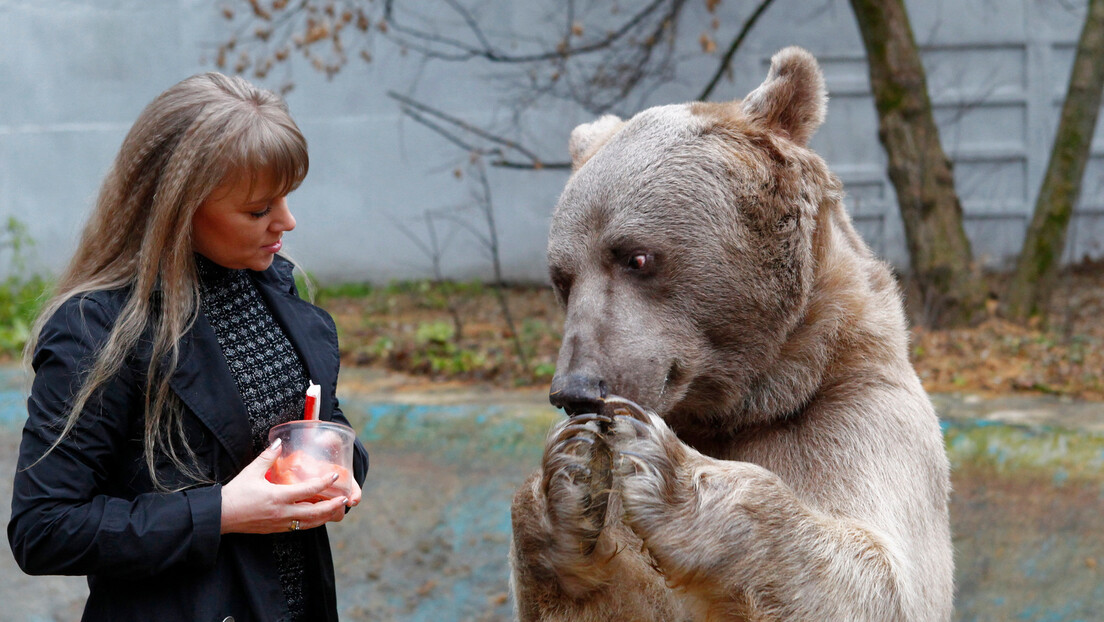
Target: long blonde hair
(139,236)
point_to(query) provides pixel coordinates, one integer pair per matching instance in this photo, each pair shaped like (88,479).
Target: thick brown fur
(786,463)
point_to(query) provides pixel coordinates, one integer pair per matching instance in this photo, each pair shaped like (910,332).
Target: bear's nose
(578,393)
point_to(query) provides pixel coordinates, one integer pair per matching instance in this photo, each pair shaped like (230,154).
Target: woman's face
(236,228)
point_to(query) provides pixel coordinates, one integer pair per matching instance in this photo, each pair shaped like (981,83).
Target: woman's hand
(252,504)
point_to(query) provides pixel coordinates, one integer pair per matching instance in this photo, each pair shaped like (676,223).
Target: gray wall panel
(75,74)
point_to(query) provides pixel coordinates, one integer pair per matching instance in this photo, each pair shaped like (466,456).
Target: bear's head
(683,247)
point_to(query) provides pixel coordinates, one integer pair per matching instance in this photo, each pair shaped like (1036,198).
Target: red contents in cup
(300,466)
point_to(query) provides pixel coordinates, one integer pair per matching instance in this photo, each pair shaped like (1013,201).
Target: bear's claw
(641,427)
(578,477)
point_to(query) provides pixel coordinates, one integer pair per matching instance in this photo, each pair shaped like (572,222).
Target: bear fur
(786,463)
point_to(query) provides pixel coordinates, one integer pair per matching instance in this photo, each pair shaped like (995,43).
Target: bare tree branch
(435,251)
(598,74)
(420,112)
(487,207)
(487,51)
(726,60)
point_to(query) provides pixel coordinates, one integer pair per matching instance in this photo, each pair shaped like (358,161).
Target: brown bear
(786,463)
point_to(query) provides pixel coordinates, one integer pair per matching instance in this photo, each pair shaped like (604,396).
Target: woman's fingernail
(345,501)
(335,476)
(276,443)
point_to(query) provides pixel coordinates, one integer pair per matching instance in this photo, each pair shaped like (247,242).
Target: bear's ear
(792,99)
(588,137)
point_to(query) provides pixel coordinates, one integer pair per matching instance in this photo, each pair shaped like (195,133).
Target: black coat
(89,508)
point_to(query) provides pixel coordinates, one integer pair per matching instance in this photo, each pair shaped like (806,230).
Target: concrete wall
(75,73)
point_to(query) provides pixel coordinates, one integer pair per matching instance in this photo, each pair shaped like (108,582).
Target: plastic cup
(312,449)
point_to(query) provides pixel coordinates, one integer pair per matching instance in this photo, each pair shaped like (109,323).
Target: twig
(735,45)
(420,112)
(499,284)
(490,53)
(435,250)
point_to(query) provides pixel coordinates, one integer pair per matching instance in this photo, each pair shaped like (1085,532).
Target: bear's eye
(561,282)
(640,262)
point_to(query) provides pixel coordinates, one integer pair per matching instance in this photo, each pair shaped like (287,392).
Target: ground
(429,540)
(413,329)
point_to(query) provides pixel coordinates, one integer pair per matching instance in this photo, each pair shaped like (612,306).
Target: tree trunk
(1037,268)
(942,263)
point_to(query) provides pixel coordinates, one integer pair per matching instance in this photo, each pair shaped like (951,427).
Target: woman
(175,341)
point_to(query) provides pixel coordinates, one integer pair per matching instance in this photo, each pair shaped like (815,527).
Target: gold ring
(294,526)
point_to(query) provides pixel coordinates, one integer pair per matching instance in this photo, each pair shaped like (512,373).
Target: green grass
(20,301)
(432,294)
(21,296)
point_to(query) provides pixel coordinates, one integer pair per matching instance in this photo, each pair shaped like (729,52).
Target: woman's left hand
(252,504)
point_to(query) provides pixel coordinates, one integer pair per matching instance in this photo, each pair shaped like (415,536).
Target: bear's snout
(577,393)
